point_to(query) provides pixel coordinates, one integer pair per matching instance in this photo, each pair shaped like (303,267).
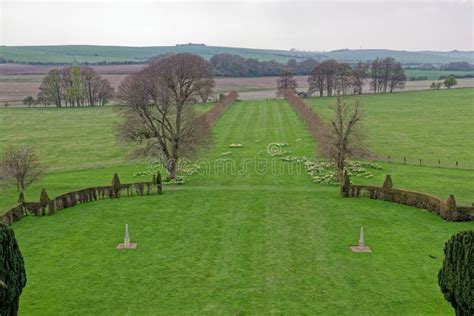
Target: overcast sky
(304,25)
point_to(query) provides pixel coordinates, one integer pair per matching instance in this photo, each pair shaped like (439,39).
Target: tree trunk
(171,167)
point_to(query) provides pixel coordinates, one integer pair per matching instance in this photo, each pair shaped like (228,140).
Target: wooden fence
(427,162)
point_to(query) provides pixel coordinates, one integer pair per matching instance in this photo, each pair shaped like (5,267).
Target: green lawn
(427,125)
(257,238)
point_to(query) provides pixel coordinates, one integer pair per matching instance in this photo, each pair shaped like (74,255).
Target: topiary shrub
(388,183)
(43,202)
(116,185)
(159,183)
(12,272)
(456,277)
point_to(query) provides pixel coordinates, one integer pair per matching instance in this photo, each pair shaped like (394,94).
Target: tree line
(74,86)
(331,77)
(228,65)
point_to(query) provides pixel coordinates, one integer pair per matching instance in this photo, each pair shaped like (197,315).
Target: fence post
(457,165)
(420,162)
(404,160)
(388,159)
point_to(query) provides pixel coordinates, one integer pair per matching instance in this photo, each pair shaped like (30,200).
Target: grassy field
(402,56)
(82,139)
(68,138)
(427,125)
(249,234)
(434,74)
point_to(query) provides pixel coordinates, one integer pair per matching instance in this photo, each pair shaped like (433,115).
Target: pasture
(434,74)
(427,125)
(256,236)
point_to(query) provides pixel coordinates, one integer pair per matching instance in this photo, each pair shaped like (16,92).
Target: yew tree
(456,277)
(12,272)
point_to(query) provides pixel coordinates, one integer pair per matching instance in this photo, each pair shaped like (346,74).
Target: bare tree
(105,91)
(286,82)
(51,89)
(205,93)
(156,107)
(375,74)
(397,77)
(21,165)
(387,74)
(89,79)
(359,75)
(343,78)
(97,91)
(387,65)
(329,69)
(344,138)
(316,81)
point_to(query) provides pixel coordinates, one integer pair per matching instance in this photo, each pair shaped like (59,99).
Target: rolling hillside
(120,54)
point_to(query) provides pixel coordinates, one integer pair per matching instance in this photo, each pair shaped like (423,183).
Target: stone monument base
(126,246)
(360,249)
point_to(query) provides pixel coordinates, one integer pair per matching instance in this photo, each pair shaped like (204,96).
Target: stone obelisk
(361,247)
(126,241)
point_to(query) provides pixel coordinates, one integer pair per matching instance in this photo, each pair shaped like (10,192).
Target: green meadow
(427,125)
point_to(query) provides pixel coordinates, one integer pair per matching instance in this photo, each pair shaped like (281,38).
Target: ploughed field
(20,81)
(249,233)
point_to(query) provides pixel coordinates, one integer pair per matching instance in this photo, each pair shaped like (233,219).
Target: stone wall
(47,206)
(447,209)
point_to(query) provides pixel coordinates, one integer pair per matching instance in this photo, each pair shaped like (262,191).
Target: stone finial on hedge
(388,184)
(450,211)
(345,185)
(159,183)
(21,197)
(451,202)
(44,198)
(116,186)
(43,202)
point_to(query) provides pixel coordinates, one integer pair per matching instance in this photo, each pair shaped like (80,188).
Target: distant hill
(406,57)
(69,54)
(96,54)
